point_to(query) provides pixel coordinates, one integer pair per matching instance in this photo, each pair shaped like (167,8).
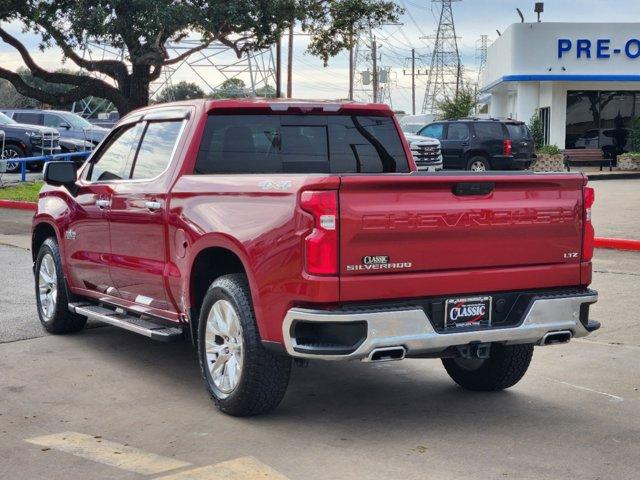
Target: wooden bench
(586,156)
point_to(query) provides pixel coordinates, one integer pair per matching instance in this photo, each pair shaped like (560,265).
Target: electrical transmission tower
(481,57)
(445,71)
(210,67)
(372,82)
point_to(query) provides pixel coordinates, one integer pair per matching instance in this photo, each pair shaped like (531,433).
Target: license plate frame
(468,314)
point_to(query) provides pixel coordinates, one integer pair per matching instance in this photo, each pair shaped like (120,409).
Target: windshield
(412,127)
(4,120)
(76,121)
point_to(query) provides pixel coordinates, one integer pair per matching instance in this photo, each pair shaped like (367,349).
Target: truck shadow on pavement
(396,399)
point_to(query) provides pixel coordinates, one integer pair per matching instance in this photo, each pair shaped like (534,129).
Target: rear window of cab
(300,144)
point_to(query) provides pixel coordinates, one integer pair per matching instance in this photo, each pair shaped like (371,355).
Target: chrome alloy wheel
(223,346)
(10,154)
(48,286)
(478,167)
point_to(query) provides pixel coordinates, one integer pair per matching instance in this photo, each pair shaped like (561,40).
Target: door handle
(465,144)
(103,203)
(153,205)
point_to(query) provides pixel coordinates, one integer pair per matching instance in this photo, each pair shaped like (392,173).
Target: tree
(142,28)
(10,98)
(536,129)
(267,92)
(459,106)
(180,91)
(635,134)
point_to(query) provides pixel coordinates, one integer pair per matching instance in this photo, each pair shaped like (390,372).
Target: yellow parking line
(244,468)
(109,453)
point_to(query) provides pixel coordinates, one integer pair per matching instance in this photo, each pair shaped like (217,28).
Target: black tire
(478,160)
(59,319)
(504,368)
(264,375)
(13,151)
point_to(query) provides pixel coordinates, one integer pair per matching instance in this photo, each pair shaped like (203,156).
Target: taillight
(321,245)
(506,147)
(588,232)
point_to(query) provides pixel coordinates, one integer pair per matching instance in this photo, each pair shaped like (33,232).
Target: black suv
(479,145)
(20,140)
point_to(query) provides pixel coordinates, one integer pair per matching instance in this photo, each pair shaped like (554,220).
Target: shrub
(536,129)
(549,150)
(635,134)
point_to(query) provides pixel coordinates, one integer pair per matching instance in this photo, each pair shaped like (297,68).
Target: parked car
(69,125)
(23,140)
(480,145)
(426,152)
(266,231)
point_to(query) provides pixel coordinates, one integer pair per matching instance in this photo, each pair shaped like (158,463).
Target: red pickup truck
(266,231)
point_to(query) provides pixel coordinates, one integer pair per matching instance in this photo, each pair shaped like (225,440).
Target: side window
(156,148)
(489,130)
(53,121)
(112,161)
(30,118)
(434,131)
(458,131)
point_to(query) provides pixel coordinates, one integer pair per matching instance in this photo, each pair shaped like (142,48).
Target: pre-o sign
(585,48)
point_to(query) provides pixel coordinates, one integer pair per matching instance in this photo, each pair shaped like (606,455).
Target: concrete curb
(617,243)
(18,205)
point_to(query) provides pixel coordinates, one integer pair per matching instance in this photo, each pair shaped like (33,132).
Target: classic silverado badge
(377,262)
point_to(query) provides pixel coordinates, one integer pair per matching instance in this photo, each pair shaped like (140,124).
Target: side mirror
(61,174)
(64,126)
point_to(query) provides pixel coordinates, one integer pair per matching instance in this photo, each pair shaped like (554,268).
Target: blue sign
(601,48)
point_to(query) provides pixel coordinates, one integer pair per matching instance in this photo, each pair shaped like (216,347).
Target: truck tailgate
(419,235)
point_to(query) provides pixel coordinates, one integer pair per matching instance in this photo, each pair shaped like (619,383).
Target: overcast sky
(472,18)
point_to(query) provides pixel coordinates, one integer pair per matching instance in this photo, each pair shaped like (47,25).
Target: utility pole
(290,63)
(279,68)
(374,77)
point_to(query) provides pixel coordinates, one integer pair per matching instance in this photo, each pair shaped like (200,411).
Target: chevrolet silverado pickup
(272,231)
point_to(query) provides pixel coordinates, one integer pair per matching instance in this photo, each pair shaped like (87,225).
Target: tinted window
(434,131)
(489,130)
(457,131)
(53,121)
(28,117)
(156,148)
(517,131)
(112,162)
(300,144)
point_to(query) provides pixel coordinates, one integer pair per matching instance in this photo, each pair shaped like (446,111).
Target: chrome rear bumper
(411,328)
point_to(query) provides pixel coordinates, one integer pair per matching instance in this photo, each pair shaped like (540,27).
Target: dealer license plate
(461,313)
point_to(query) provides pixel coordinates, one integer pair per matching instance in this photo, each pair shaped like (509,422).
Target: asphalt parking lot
(106,403)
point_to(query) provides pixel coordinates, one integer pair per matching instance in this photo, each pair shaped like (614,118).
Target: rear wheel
(52,297)
(478,164)
(241,376)
(506,365)
(11,153)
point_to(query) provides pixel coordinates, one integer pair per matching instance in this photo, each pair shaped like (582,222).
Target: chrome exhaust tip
(556,338)
(386,354)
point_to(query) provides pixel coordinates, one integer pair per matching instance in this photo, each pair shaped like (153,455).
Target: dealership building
(582,79)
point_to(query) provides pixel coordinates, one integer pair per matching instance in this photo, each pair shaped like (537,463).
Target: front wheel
(505,366)
(478,164)
(52,297)
(12,153)
(242,377)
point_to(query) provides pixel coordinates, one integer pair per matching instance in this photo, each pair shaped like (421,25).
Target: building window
(601,120)
(545,118)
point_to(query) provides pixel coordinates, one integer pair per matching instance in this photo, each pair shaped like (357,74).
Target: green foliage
(459,106)
(549,150)
(635,134)
(267,92)
(27,192)
(537,130)
(231,88)
(180,91)
(142,29)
